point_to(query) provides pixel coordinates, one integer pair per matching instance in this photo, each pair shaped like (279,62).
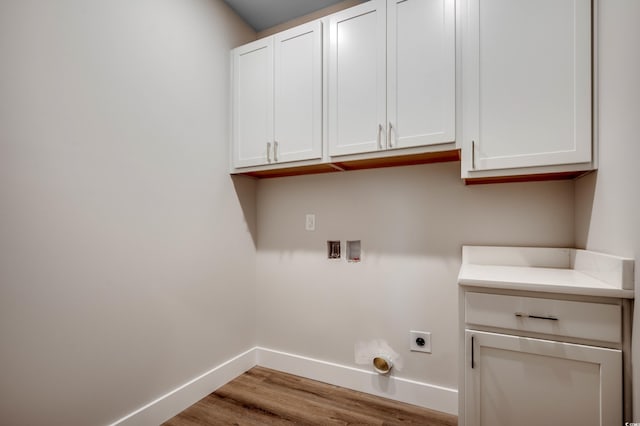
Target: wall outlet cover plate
(310,222)
(420,341)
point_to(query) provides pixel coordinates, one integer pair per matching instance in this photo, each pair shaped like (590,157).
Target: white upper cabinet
(298,94)
(526,86)
(391,76)
(420,72)
(252,103)
(357,79)
(277,98)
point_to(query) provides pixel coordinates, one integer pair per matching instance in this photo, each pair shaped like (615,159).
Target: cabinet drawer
(596,321)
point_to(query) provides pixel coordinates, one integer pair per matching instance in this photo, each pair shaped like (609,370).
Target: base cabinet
(542,359)
(514,380)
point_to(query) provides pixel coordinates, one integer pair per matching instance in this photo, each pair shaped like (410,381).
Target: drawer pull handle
(523,315)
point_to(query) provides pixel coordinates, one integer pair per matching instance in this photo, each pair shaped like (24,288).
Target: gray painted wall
(412,222)
(608,202)
(123,245)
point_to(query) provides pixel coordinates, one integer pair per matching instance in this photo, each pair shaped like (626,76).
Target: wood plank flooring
(267,397)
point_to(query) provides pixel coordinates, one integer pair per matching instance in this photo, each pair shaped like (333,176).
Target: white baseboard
(405,390)
(170,404)
(410,391)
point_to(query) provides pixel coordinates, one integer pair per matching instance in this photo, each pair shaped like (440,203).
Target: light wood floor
(267,397)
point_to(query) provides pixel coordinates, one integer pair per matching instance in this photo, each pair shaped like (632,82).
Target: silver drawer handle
(523,315)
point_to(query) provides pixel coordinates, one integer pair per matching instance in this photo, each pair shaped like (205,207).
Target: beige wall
(608,203)
(412,222)
(126,264)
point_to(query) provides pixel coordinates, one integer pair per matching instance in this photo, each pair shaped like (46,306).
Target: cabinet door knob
(268,152)
(275,151)
(380,136)
(389,137)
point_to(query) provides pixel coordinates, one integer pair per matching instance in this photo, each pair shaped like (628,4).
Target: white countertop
(566,271)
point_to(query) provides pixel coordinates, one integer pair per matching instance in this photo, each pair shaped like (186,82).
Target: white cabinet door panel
(421,72)
(298,93)
(527,83)
(357,79)
(252,102)
(530,382)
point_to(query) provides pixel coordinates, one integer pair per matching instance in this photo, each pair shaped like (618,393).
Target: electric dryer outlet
(420,341)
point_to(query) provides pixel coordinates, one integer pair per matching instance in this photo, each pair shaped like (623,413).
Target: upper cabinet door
(298,93)
(252,103)
(526,83)
(357,79)
(420,72)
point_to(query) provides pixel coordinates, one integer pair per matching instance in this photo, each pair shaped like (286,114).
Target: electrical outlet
(420,341)
(310,222)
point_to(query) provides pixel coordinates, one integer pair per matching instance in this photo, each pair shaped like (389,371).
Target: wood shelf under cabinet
(526,178)
(406,160)
(374,163)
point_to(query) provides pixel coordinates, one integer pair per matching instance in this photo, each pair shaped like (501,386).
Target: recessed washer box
(333,249)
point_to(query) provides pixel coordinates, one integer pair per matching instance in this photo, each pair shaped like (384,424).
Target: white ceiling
(263,14)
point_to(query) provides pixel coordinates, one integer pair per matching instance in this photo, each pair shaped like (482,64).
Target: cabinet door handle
(268,152)
(542,317)
(389,138)
(473,361)
(473,155)
(380,136)
(275,151)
